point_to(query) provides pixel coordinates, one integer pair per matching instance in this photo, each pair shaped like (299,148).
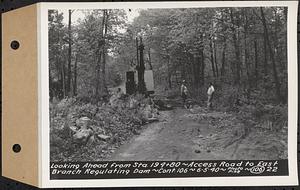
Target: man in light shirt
(210,93)
(184,91)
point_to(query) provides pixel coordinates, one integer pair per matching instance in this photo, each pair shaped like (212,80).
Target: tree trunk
(236,47)
(194,69)
(99,65)
(69,54)
(215,58)
(277,55)
(276,80)
(141,69)
(223,59)
(98,68)
(137,51)
(149,57)
(63,78)
(197,72)
(60,76)
(245,49)
(212,58)
(256,62)
(104,52)
(183,69)
(169,74)
(265,58)
(75,77)
(202,78)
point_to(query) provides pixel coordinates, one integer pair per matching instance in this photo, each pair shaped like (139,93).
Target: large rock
(113,100)
(73,129)
(83,122)
(147,112)
(90,141)
(103,137)
(82,135)
(133,103)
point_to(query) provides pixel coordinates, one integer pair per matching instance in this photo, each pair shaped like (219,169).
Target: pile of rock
(84,129)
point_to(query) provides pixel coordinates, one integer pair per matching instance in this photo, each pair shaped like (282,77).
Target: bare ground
(183,135)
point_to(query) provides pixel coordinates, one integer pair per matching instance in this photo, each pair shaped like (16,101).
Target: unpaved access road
(170,139)
(181,134)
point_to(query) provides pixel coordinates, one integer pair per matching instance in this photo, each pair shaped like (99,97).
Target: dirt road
(170,139)
(183,135)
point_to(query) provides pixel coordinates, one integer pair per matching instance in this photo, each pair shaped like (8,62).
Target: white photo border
(44,143)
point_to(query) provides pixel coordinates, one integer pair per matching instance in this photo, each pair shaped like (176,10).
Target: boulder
(73,129)
(147,112)
(133,103)
(103,137)
(82,135)
(90,140)
(83,122)
(113,101)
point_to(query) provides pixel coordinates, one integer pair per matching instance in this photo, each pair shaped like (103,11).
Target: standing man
(184,92)
(210,93)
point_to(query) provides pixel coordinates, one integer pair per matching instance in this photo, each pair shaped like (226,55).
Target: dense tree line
(242,47)
(236,48)
(78,54)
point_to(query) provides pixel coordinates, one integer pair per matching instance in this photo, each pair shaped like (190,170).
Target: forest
(242,51)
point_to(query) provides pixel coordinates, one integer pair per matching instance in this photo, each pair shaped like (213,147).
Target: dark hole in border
(16,148)
(14,44)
